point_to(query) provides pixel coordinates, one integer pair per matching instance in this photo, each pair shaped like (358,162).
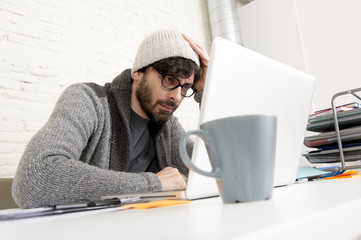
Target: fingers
(192,42)
(203,55)
(171,179)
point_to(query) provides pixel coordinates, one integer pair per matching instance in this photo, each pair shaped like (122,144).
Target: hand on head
(203,58)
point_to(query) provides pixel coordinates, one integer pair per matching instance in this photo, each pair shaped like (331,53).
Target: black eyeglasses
(171,83)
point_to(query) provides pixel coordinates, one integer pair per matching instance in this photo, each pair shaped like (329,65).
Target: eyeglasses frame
(175,87)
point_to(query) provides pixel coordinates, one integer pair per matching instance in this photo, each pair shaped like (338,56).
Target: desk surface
(319,209)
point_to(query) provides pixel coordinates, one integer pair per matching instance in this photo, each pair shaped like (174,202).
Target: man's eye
(187,87)
(169,79)
(170,82)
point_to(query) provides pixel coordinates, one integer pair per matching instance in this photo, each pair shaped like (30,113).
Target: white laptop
(242,82)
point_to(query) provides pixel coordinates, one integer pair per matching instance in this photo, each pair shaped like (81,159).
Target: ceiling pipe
(224,20)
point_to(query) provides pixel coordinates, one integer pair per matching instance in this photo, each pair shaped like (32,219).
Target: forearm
(198,97)
(54,179)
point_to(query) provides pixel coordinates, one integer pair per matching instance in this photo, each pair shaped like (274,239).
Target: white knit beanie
(160,45)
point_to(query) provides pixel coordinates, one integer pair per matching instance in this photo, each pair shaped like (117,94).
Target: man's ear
(136,76)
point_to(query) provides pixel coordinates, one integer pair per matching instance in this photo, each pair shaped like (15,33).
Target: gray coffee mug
(241,150)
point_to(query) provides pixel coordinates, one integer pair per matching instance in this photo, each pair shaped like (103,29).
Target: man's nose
(175,94)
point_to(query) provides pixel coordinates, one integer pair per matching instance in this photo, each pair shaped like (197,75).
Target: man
(119,138)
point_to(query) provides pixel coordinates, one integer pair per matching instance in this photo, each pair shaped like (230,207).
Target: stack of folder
(325,141)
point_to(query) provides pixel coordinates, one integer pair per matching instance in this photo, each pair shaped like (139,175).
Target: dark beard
(144,94)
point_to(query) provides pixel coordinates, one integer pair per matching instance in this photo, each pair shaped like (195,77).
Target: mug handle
(215,173)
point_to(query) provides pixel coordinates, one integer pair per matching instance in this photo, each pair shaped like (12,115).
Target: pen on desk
(113,202)
(79,205)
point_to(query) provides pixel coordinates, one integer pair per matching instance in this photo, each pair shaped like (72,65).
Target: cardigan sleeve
(51,170)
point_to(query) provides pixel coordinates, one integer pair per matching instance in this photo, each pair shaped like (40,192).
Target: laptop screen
(243,82)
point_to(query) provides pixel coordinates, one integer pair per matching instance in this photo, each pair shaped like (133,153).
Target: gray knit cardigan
(82,152)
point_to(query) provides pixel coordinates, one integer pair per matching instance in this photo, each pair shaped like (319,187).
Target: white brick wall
(47,45)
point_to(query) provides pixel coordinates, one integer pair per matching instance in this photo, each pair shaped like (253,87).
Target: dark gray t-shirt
(142,157)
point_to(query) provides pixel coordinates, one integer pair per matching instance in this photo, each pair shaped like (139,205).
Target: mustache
(169,103)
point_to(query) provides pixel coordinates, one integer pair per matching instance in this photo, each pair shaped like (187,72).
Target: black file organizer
(337,128)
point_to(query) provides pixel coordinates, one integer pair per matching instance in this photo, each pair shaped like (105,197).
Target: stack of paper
(326,141)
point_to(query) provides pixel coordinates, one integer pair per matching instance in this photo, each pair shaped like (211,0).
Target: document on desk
(307,172)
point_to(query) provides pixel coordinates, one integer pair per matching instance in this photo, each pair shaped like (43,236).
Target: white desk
(322,209)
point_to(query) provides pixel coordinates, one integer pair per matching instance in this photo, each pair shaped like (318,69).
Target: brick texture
(47,45)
